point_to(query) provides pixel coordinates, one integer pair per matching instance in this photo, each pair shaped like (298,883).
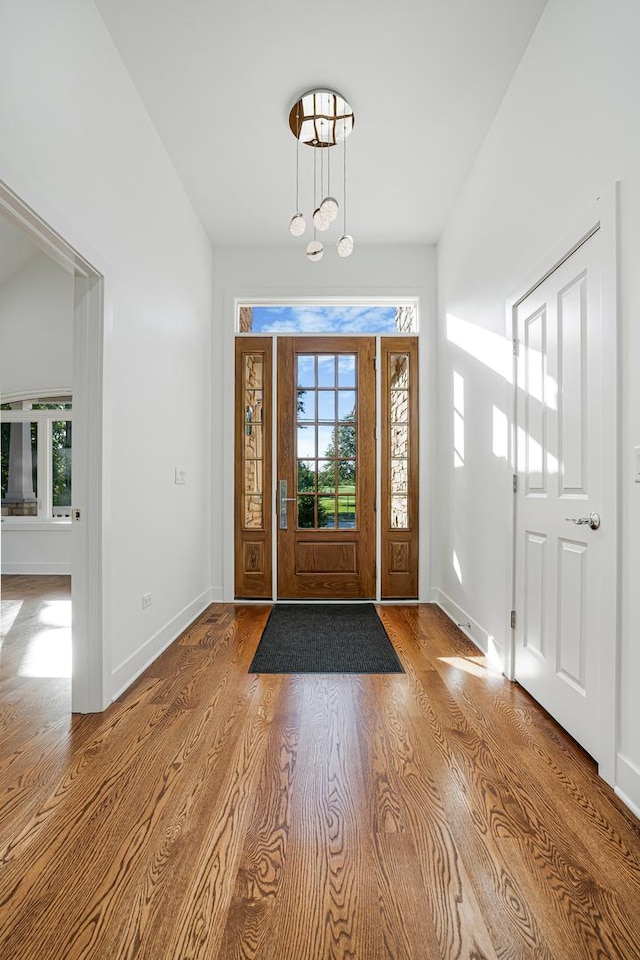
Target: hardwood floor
(210,813)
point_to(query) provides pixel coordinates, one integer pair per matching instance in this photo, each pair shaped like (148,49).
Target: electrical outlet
(180,475)
(146,600)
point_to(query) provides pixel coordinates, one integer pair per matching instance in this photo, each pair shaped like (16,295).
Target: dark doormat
(325,638)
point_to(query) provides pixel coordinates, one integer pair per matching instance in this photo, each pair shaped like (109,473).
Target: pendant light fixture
(297,224)
(345,243)
(315,250)
(321,119)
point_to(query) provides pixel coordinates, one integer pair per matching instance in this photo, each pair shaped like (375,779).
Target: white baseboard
(36,569)
(471,628)
(628,783)
(131,668)
(217,595)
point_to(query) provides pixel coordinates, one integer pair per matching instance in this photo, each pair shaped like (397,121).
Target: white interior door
(564,568)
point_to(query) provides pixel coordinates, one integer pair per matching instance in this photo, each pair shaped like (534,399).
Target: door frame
(90,672)
(427,380)
(601,218)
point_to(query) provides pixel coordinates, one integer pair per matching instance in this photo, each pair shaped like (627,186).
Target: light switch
(180,475)
(636,464)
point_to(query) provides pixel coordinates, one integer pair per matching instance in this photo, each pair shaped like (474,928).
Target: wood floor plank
(216,815)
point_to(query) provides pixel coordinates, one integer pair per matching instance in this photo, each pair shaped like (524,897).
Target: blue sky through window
(327,319)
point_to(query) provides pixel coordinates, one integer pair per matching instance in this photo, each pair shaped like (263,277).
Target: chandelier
(321,119)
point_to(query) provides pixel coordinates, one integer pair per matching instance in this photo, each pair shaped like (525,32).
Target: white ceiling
(424,77)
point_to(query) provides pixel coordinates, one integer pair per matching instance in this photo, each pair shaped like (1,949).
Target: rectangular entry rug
(325,638)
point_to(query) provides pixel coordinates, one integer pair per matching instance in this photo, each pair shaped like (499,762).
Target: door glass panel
(400,441)
(326,444)
(306,442)
(306,371)
(253,441)
(327,405)
(306,511)
(398,452)
(327,512)
(399,371)
(326,476)
(306,476)
(347,511)
(346,475)
(252,446)
(252,477)
(399,399)
(254,406)
(253,512)
(326,371)
(306,405)
(346,404)
(253,371)
(399,513)
(399,476)
(346,371)
(347,440)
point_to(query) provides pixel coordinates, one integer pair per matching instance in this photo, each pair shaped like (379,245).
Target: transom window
(327,319)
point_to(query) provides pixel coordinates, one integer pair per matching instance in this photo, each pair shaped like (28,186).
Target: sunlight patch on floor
(9,610)
(48,653)
(477,666)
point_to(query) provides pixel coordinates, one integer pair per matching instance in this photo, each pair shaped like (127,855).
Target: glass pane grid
(326,440)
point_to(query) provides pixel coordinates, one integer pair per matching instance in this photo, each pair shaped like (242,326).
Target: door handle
(593,520)
(283,500)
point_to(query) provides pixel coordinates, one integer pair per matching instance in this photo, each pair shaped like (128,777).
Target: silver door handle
(593,520)
(283,500)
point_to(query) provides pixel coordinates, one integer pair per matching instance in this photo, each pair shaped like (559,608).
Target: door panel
(563,568)
(326,455)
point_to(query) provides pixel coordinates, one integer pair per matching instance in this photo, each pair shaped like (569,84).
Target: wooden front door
(326,468)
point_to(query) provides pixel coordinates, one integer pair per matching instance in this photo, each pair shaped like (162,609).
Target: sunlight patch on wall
(458,420)
(491,349)
(500,434)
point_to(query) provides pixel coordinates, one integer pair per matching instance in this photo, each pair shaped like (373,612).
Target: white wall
(566,130)
(36,340)
(78,146)
(284,272)
(36,328)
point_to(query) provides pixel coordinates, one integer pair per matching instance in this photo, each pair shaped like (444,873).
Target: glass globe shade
(329,208)
(297,225)
(315,250)
(319,219)
(345,246)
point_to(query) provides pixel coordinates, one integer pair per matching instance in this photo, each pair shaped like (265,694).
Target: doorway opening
(47,453)
(326,466)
